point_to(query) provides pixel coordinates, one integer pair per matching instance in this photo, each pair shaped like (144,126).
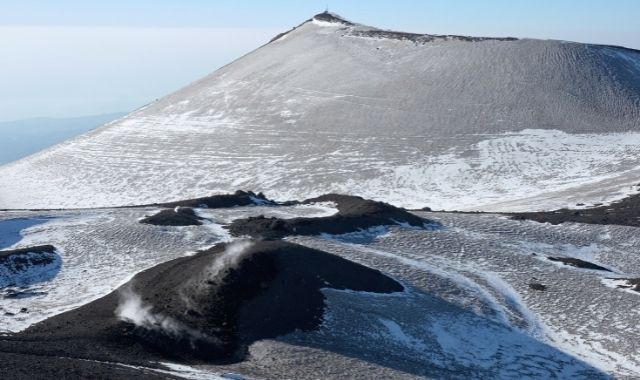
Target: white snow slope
(446,122)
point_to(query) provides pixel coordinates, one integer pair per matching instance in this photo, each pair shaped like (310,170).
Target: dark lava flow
(354,214)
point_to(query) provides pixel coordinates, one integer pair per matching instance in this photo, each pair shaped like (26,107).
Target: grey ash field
(128,252)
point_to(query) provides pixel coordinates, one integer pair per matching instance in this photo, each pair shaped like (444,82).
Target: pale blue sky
(79,57)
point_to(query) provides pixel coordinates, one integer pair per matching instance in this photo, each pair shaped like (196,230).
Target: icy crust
(497,125)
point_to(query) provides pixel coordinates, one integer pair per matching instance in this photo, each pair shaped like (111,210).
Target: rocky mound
(239,198)
(354,214)
(578,263)
(624,213)
(20,267)
(203,308)
(179,216)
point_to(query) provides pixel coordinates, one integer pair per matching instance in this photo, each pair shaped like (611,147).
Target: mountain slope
(331,106)
(23,137)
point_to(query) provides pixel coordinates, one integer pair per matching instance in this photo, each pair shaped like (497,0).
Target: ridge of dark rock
(354,214)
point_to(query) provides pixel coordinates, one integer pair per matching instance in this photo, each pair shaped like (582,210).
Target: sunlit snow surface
(467,312)
(450,124)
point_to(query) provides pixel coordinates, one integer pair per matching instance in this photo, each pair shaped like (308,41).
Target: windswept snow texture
(445,122)
(467,312)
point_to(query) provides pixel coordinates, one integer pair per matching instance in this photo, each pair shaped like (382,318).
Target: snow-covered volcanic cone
(415,120)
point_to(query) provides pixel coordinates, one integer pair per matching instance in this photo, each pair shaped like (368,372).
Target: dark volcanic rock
(625,213)
(354,214)
(202,308)
(20,267)
(422,38)
(239,198)
(578,263)
(179,216)
(537,286)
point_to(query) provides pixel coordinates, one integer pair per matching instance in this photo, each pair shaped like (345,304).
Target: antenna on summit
(326,9)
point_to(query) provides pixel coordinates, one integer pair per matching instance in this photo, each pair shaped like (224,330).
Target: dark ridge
(201,314)
(422,38)
(29,265)
(179,216)
(354,214)
(239,198)
(389,34)
(578,263)
(537,286)
(624,213)
(4,255)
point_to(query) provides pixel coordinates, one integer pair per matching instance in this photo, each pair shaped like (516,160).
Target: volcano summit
(450,122)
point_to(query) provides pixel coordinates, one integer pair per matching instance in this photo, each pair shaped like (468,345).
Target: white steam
(215,272)
(227,260)
(134,310)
